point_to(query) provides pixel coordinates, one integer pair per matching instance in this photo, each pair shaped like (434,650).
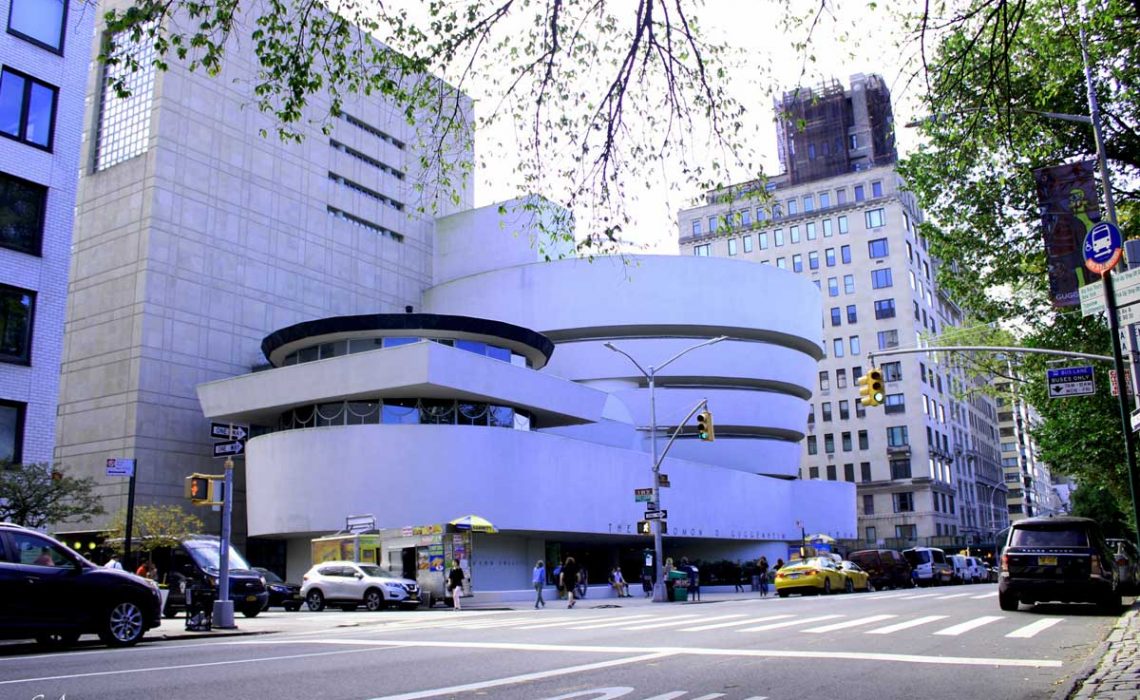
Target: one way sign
(229,449)
(226,431)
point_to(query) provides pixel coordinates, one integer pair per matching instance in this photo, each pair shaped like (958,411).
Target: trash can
(200,607)
(680,580)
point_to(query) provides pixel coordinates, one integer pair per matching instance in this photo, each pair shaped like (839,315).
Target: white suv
(349,584)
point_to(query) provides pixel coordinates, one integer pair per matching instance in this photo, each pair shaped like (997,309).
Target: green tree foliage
(153,527)
(1103,506)
(35,495)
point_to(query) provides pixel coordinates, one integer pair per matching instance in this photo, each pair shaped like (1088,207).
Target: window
(913,284)
(897,436)
(22,205)
(838,345)
(894,403)
(829,256)
(812,445)
(836,316)
(778,236)
(849,472)
(865,471)
(27,108)
(696,227)
(840,379)
(845,254)
(763,240)
(842,222)
(809,203)
(825,411)
(864,442)
(17,311)
(748,243)
(813,260)
(745,217)
(885,308)
(824,200)
(124,122)
(892,371)
(782,263)
(833,286)
(926,269)
(759,214)
(848,284)
(712,224)
(873,218)
(888,339)
(794,234)
(904,502)
(868,503)
(702,250)
(860,195)
(856,348)
(881,278)
(777,212)
(876,189)
(852,315)
(916,314)
(792,210)
(827,228)
(39,21)
(810,228)
(840,197)
(732,246)
(877,248)
(871,535)
(829,443)
(906,532)
(12,432)
(813,472)
(845,413)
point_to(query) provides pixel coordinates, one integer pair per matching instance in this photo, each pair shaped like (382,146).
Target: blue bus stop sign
(1103,247)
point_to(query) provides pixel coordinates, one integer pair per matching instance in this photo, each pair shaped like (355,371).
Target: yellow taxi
(857,579)
(815,575)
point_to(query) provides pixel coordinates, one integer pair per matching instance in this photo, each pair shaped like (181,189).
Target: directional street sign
(1126,286)
(229,449)
(225,431)
(642,495)
(120,467)
(1071,381)
(656,514)
(1136,420)
(1104,247)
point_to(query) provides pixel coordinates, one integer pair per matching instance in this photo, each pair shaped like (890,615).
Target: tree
(1103,506)
(35,495)
(153,527)
(596,94)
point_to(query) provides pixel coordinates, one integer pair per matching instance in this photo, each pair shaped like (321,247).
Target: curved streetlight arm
(687,350)
(629,357)
(700,405)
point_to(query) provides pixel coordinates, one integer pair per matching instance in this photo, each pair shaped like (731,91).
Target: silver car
(350,584)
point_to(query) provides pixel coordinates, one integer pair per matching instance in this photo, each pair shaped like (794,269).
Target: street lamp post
(651,377)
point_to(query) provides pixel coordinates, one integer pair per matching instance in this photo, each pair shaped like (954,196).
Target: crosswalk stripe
(610,622)
(676,620)
(956,630)
(848,623)
(789,623)
(710,696)
(663,696)
(749,621)
(907,625)
(992,594)
(567,623)
(680,620)
(953,595)
(916,597)
(1033,628)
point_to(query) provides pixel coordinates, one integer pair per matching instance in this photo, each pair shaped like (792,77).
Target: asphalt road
(929,643)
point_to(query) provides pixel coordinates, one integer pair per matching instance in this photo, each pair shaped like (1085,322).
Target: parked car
(50,593)
(929,565)
(351,584)
(979,572)
(815,575)
(1057,558)
(857,579)
(959,569)
(886,567)
(1127,565)
(196,561)
(281,593)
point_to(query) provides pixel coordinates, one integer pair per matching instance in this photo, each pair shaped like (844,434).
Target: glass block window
(124,122)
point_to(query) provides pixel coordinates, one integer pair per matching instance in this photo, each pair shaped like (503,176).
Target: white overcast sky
(871,47)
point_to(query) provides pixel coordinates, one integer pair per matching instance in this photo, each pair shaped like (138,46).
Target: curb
(1092,662)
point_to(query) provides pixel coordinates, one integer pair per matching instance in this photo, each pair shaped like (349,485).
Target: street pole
(1109,292)
(130,524)
(223,606)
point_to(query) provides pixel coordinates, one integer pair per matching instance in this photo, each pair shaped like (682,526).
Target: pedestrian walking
(538,579)
(738,579)
(569,578)
(668,581)
(558,582)
(113,563)
(779,563)
(147,570)
(762,568)
(455,584)
(694,580)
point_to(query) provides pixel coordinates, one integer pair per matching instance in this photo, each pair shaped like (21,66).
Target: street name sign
(229,449)
(1127,291)
(225,431)
(1071,381)
(642,495)
(117,466)
(656,514)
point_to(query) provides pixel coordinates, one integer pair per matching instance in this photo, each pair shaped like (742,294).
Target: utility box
(358,546)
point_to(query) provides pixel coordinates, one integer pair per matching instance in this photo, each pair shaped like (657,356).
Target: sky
(858,39)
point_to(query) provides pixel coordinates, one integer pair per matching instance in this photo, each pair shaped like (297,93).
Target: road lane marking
(953,595)
(849,623)
(916,597)
(738,623)
(672,651)
(789,623)
(992,594)
(677,620)
(967,626)
(563,622)
(1032,629)
(907,625)
(609,623)
(710,696)
(673,695)
(522,678)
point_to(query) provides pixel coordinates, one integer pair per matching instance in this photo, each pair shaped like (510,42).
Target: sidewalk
(1117,674)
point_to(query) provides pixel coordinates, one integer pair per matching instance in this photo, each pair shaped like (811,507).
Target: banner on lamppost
(1067,197)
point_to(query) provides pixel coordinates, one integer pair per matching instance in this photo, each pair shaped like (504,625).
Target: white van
(960,569)
(929,566)
(979,573)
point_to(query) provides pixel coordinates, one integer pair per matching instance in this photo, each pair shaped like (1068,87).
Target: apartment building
(924,461)
(44,53)
(1030,483)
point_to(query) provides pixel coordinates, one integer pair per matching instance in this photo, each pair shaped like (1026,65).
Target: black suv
(51,594)
(1057,558)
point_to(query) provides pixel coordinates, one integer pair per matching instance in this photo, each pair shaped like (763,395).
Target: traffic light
(199,489)
(871,388)
(705,426)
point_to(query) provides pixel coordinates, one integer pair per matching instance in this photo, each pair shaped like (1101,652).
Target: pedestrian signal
(199,489)
(871,388)
(644,528)
(705,426)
